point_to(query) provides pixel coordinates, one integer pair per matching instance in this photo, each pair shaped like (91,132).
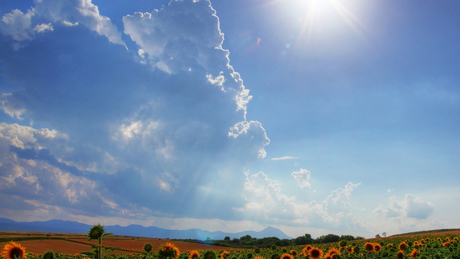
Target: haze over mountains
(61,226)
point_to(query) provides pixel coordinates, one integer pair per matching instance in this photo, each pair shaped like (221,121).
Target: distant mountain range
(61,226)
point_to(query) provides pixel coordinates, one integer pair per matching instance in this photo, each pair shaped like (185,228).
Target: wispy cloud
(283,158)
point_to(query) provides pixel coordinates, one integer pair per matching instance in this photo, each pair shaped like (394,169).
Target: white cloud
(181,35)
(69,12)
(44,27)
(250,137)
(302,177)
(67,23)
(17,24)
(411,207)
(123,126)
(79,11)
(265,202)
(9,106)
(340,193)
(283,158)
(418,208)
(30,178)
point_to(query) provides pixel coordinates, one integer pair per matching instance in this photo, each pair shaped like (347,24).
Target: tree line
(267,242)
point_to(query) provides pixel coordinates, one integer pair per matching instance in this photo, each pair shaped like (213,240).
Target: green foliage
(303,240)
(329,238)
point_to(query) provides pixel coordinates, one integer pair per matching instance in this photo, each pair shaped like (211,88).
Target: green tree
(303,240)
(347,237)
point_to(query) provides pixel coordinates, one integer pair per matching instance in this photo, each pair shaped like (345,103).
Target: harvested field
(41,246)
(137,245)
(38,243)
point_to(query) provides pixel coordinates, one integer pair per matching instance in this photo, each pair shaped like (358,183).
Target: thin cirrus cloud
(283,158)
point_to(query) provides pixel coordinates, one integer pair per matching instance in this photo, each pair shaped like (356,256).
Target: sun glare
(318,9)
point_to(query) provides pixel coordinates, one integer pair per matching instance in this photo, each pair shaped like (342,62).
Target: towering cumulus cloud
(156,130)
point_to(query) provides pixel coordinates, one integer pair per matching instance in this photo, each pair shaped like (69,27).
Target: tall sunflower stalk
(96,233)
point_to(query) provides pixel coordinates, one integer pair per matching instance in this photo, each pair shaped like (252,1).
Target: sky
(311,116)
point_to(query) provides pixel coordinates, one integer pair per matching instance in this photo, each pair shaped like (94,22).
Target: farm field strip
(38,243)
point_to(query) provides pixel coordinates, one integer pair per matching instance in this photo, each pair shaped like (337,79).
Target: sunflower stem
(100,247)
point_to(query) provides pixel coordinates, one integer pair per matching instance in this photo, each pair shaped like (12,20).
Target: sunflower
(402,246)
(305,250)
(96,232)
(446,244)
(315,253)
(194,254)
(209,255)
(224,254)
(414,253)
(275,256)
(400,255)
(48,255)
(258,257)
(354,250)
(333,253)
(148,247)
(13,250)
(377,247)
(293,252)
(169,250)
(287,256)
(369,247)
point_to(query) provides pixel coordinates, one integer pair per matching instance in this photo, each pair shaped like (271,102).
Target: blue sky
(310,116)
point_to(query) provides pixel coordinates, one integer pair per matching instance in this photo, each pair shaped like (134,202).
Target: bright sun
(319,8)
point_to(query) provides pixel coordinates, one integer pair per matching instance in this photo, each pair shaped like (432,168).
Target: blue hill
(61,226)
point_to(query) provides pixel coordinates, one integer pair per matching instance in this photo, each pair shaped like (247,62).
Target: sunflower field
(417,246)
